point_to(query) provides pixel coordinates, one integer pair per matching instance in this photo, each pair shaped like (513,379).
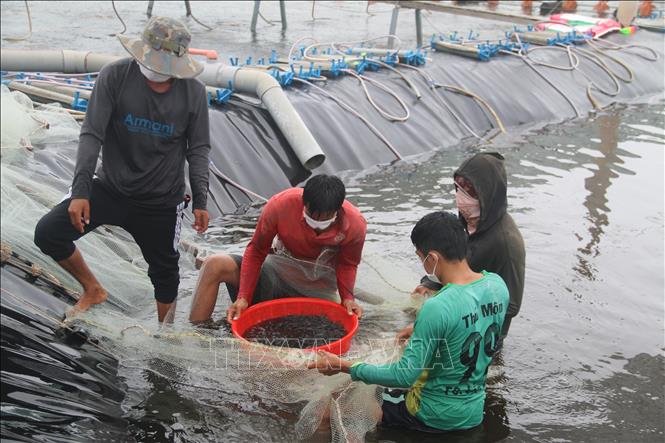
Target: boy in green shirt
(455,334)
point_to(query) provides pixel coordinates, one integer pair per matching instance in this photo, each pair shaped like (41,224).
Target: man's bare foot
(93,296)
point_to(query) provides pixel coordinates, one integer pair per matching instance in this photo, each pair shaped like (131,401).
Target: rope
(385,280)
(432,84)
(189,14)
(523,56)
(295,44)
(574,60)
(36,271)
(611,46)
(478,98)
(575,66)
(29,34)
(124,26)
(354,112)
(631,73)
(270,22)
(362,79)
(224,177)
(408,82)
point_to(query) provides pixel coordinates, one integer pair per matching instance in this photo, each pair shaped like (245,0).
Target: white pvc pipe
(270,92)
(63,60)
(255,82)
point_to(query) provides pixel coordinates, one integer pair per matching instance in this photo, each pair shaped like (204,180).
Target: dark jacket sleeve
(501,250)
(198,150)
(93,131)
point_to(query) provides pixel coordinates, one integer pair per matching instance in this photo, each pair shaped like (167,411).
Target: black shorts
(270,285)
(155,230)
(396,415)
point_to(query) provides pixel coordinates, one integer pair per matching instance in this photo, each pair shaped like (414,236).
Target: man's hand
(404,335)
(423,291)
(200,220)
(329,364)
(79,213)
(234,311)
(353,308)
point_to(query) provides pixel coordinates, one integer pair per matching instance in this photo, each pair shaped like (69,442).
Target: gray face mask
(153,76)
(432,277)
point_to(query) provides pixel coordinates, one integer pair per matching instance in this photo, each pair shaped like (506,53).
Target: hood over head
(488,176)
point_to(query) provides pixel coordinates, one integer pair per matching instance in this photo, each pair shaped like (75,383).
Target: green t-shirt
(445,362)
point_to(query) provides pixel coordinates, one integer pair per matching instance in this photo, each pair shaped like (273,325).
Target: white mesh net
(30,189)
(35,178)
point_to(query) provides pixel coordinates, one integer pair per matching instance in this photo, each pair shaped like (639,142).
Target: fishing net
(210,358)
(23,123)
(37,157)
(38,152)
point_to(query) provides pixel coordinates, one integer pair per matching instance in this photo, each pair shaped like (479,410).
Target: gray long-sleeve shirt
(145,138)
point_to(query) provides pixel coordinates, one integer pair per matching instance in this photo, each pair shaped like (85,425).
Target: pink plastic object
(211,54)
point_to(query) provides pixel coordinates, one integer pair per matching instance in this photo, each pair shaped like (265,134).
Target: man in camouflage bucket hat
(147,114)
(162,48)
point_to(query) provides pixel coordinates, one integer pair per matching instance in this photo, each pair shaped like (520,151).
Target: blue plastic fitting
(79,103)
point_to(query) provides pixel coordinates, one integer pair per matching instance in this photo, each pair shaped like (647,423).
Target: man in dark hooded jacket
(495,242)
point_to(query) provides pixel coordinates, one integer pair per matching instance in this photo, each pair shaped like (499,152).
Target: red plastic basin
(282,307)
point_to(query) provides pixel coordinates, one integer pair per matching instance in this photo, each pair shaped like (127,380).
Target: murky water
(585,357)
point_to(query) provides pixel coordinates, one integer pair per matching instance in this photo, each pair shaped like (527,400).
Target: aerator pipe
(53,60)
(40,93)
(269,91)
(379,52)
(60,89)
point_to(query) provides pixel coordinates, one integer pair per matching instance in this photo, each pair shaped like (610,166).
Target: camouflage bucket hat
(163,48)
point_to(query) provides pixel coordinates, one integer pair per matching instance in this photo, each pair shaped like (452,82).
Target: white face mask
(153,76)
(316,224)
(432,277)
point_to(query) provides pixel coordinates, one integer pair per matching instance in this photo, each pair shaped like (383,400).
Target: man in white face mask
(148,115)
(309,223)
(451,344)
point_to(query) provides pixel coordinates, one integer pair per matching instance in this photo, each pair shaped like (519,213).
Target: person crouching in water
(455,335)
(307,242)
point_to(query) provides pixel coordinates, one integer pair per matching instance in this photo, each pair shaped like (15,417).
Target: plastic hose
(354,112)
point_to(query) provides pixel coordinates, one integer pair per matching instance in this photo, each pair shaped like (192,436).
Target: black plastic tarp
(249,148)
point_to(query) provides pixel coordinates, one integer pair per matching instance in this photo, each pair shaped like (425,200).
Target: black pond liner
(56,384)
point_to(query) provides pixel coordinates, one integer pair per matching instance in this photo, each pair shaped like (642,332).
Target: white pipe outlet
(270,92)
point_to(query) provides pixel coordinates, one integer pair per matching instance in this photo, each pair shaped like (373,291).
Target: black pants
(155,230)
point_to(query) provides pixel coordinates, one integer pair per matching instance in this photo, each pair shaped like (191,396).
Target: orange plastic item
(282,307)
(601,7)
(569,5)
(646,8)
(527,6)
(211,54)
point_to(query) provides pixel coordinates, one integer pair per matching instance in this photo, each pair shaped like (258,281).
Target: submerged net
(210,358)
